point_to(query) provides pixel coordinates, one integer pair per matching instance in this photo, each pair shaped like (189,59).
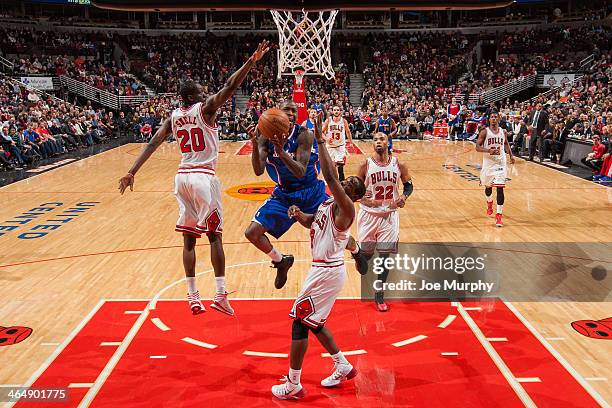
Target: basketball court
(103,291)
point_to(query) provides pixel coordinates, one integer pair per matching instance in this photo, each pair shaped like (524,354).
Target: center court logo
(252,191)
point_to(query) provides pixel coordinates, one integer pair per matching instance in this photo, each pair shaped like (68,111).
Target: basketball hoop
(304,42)
(299,77)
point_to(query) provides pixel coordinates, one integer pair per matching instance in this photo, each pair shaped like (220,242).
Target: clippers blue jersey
(318,106)
(282,176)
(384,126)
(310,126)
(307,192)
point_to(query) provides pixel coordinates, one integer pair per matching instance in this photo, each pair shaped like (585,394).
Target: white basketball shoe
(288,390)
(342,372)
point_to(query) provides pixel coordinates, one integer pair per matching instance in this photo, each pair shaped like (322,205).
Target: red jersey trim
(380,164)
(327,262)
(208,125)
(333,217)
(186,109)
(328,266)
(208,173)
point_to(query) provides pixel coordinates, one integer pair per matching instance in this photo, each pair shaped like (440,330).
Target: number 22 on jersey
(384,192)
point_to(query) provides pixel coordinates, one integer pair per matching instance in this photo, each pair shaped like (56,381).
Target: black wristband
(408,188)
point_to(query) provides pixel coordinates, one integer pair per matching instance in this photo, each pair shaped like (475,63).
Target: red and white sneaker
(498,220)
(221,303)
(489,208)
(195,303)
(379,300)
(288,390)
(342,372)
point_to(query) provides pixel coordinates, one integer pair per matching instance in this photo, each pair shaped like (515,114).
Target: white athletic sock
(500,208)
(490,198)
(191,285)
(220,282)
(275,255)
(339,358)
(294,375)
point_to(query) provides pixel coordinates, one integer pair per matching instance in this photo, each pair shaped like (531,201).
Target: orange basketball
(274,125)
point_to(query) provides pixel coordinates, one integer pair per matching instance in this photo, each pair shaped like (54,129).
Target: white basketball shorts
(321,288)
(199,200)
(378,232)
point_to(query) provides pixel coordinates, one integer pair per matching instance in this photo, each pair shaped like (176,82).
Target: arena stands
(35,126)
(84,57)
(582,110)
(414,73)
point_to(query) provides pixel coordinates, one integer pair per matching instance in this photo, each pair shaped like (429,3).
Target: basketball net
(304,41)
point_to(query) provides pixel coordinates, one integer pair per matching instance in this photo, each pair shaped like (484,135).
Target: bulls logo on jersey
(497,140)
(384,175)
(336,132)
(382,181)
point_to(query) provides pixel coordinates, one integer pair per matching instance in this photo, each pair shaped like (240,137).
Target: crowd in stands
(84,57)
(104,76)
(35,127)
(582,110)
(30,41)
(166,60)
(412,75)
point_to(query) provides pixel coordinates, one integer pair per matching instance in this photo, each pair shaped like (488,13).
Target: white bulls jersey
(495,140)
(198,141)
(326,240)
(383,181)
(336,132)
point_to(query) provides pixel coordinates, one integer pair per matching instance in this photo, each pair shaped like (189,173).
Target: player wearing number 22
(378,220)
(197,189)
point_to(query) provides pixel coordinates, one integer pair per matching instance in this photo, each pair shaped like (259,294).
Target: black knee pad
(340,172)
(299,331)
(500,195)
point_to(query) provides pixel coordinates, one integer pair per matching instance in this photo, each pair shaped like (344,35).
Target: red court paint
(416,374)
(352,148)
(246,149)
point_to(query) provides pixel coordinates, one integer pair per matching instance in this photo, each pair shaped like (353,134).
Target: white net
(304,41)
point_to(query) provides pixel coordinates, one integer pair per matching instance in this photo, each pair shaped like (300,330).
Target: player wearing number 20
(378,220)
(197,189)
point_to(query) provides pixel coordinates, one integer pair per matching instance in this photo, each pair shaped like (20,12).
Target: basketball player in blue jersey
(294,167)
(386,125)
(310,122)
(318,106)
